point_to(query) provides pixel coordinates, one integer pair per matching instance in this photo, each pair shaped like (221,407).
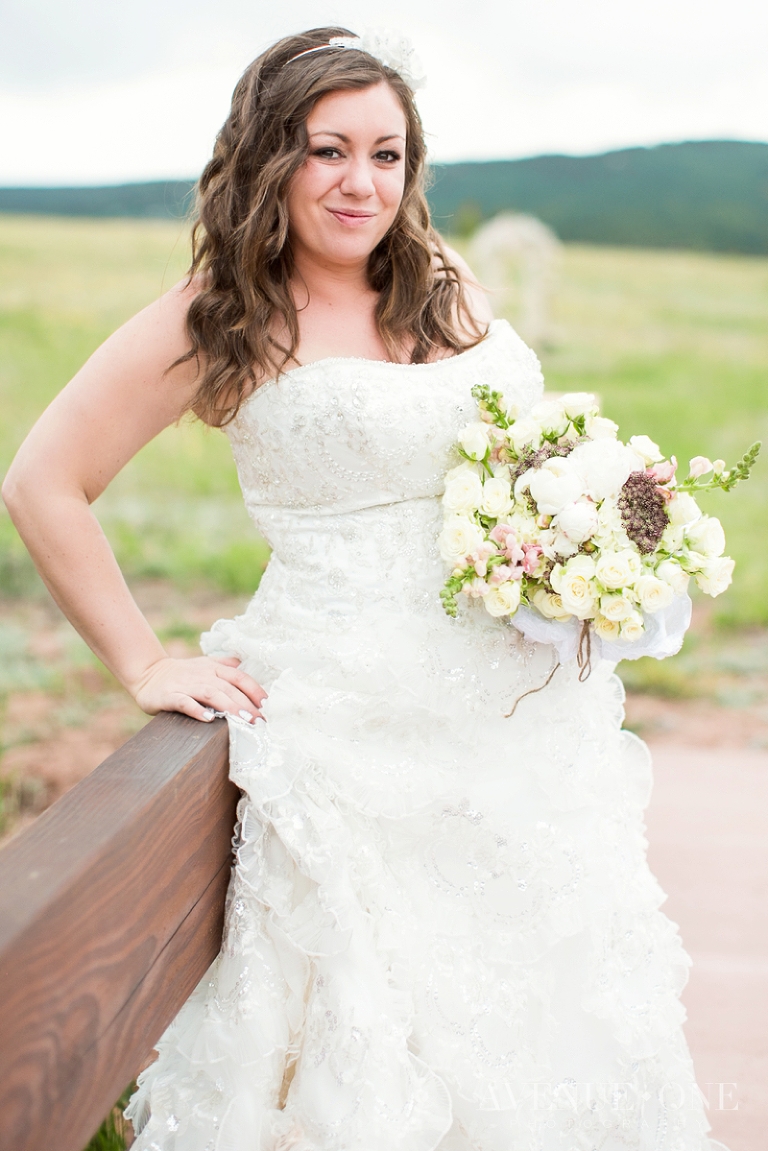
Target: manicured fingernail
(245,715)
(208,714)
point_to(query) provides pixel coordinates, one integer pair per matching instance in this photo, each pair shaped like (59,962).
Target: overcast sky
(94,91)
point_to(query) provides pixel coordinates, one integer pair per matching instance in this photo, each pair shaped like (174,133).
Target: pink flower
(476,588)
(500,532)
(664,471)
(531,560)
(500,574)
(481,555)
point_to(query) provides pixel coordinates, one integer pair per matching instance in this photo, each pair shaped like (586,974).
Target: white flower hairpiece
(389,48)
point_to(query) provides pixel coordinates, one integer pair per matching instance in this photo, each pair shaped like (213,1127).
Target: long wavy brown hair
(241,243)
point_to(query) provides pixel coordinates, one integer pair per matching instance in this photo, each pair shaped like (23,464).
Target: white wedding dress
(441,929)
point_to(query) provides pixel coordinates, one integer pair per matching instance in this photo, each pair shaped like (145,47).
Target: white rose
(706,535)
(618,569)
(577,592)
(633,627)
(671,572)
(672,538)
(604,466)
(683,509)
(654,594)
(497,498)
(504,599)
(716,576)
(550,606)
(524,433)
(463,492)
(699,466)
(578,521)
(600,428)
(645,447)
(459,537)
(606,628)
(474,440)
(616,608)
(554,485)
(550,416)
(579,404)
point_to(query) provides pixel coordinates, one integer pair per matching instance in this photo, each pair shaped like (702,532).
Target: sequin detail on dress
(427,944)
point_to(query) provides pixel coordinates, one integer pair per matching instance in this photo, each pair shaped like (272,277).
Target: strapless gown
(441,928)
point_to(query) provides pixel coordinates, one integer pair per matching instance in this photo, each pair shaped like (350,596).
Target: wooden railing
(111,908)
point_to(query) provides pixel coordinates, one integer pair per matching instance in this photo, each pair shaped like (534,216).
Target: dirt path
(708,836)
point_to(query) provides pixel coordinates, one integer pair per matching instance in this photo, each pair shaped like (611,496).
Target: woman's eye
(388,156)
(327,153)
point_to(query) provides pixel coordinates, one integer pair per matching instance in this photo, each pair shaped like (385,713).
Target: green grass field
(675,343)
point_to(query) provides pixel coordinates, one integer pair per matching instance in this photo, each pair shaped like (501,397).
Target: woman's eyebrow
(345,139)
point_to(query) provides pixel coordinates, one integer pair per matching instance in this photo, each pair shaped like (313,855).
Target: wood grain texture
(111,910)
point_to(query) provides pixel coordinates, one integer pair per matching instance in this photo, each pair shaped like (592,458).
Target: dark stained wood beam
(111,910)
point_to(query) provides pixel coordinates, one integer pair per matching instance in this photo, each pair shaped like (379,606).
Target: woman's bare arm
(121,398)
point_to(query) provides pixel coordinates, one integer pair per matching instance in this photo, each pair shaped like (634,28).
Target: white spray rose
(463,491)
(706,535)
(618,569)
(671,572)
(579,404)
(578,521)
(672,538)
(616,608)
(550,606)
(474,440)
(654,594)
(576,588)
(606,628)
(683,509)
(550,416)
(497,498)
(600,428)
(604,466)
(459,537)
(554,485)
(699,466)
(716,575)
(523,433)
(504,599)
(633,627)
(645,447)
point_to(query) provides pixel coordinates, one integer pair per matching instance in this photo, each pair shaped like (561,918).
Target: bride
(441,927)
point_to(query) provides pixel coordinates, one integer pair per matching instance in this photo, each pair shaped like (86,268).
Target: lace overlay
(441,929)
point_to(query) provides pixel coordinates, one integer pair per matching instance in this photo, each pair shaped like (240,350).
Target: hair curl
(241,250)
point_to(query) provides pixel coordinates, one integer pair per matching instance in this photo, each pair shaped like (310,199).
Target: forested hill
(702,194)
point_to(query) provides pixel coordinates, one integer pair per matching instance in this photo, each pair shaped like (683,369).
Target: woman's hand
(198,687)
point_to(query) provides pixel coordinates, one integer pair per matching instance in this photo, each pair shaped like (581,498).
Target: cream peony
(562,545)
(604,466)
(579,404)
(633,627)
(463,491)
(554,485)
(645,447)
(716,576)
(474,441)
(606,628)
(601,428)
(578,521)
(654,594)
(459,537)
(671,572)
(616,608)
(683,509)
(550,416)
(504,599)
(550,606)
(524,432)
(618,569)
(706,536)
(497,498)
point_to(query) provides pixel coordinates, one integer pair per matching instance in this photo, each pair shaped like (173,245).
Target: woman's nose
(358,179)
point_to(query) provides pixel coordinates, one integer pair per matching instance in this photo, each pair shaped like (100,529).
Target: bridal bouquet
(577,537)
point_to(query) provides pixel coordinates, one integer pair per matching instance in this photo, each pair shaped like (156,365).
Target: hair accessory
(389,48)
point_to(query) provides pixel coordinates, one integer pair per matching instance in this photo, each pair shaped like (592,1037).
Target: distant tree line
(709,194)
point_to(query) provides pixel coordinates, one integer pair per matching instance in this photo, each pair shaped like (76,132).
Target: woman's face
(344,198)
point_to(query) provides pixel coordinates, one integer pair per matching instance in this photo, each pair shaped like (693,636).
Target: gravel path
(708,835)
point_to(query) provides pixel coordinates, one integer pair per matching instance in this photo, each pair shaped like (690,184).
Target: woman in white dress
(441,929)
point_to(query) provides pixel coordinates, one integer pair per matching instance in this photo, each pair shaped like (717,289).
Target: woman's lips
(351,219)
